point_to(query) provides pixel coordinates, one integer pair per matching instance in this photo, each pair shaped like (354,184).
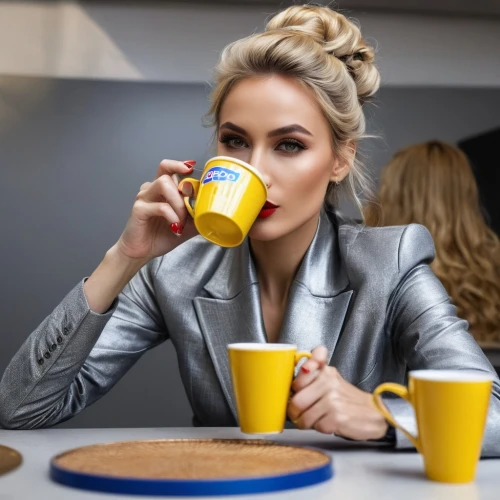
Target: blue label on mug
(220,174)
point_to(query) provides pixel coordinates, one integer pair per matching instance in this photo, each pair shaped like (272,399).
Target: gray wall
(73,154)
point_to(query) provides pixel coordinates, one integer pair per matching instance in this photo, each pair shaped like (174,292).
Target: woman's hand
(159,221)
(324,401)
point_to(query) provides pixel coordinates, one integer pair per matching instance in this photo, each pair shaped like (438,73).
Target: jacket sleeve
(427,333)
(75,356)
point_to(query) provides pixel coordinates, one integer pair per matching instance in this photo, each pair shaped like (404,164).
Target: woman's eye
(290,146)
(233,142)
(236,143)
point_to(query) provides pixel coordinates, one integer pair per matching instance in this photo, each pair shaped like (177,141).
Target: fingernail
(186,189)
(189,163)
(176,228)
(305,370)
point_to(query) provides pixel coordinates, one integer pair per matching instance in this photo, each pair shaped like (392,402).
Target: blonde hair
(433,184)
(325,52)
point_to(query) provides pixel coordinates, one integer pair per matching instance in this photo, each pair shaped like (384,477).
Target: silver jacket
(367,294)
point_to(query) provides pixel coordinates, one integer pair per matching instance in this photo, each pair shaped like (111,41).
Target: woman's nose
(261,165)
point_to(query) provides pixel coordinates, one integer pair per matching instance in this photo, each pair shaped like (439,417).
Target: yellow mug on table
(262,376)
(228,199)
(451,407)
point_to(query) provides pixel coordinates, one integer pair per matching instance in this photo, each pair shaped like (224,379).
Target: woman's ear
(343,164)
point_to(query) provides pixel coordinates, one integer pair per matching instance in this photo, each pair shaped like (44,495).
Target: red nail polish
(305,370)
(176,228)
(189,163)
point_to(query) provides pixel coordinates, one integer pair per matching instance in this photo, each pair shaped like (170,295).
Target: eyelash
(226,139)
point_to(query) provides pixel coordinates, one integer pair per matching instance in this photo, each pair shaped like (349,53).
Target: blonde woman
(433,184)
(288,101)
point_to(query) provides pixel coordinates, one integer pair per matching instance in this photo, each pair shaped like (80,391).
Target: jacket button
(41,361)
(53,347)
(46,355)
(66,331)
(59,340)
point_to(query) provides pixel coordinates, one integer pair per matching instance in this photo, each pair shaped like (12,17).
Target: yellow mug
(228,198)
(262,376)
(451,407)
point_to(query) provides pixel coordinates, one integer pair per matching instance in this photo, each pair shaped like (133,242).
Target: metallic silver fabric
(367,294)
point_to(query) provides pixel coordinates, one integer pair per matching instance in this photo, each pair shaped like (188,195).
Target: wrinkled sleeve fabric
(75,355)
(427,334)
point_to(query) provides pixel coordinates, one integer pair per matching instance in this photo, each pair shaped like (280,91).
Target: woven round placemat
(190,459)
(9,459)
(191,467)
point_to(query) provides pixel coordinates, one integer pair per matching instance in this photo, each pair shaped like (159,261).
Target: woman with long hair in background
(433,184)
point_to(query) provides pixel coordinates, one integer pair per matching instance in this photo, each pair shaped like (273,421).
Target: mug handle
(402,392)
(302,354)
(195,183)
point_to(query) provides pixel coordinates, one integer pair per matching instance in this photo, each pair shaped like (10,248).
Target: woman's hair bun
(338,36)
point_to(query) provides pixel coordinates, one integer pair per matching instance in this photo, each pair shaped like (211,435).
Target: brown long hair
(433,184)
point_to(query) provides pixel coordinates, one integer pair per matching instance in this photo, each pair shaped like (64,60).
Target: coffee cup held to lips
(451,408)
(262,376)
(228,199)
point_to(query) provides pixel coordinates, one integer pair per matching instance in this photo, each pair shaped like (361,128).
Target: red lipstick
(267,210)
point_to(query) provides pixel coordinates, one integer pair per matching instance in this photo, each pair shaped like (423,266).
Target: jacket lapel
(231,313)
(320,294)
(317,304)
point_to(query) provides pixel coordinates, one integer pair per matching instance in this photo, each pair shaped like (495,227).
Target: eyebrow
(288,130)
(279,131)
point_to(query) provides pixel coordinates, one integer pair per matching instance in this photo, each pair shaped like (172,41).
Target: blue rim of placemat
(183,487)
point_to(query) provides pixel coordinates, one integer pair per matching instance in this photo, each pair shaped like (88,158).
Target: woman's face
(275,124)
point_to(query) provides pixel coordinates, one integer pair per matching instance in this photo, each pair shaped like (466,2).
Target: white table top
(361,471)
